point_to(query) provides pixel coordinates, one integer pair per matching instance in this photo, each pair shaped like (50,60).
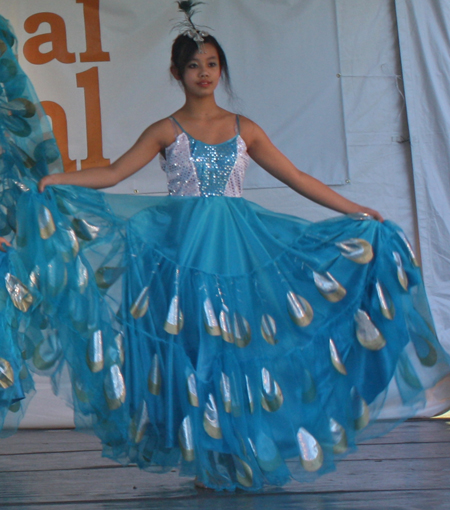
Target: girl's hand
(375,214)
(48,180)
(3,244)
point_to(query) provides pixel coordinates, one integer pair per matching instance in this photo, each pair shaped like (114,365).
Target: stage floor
(62,469)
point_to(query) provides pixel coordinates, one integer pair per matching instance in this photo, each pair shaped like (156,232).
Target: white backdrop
(424,29)
(323,78)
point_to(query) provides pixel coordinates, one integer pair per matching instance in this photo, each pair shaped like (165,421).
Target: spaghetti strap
(176,125)
(238,125)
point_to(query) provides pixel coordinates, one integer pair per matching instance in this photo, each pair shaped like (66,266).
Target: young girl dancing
(202,331)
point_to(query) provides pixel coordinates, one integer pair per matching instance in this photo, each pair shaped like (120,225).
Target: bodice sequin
(194,168)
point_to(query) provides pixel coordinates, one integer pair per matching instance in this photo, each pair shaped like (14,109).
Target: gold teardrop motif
(56,275)
(356,250)
(46,224)
(272,396)
(22,186)
(118,339)
(401,273)
(309,390)
(311,453)
(251,401)
(154,376)
(80,394)
(85,230)
(6,374)
(140,306)
(329,287)
(299,310)
(65,206)
(209,318)
(94,355)
(366,332)
(225,326)
(186,440)
(242,332)
(360,410)
(412,255)
(408,374)
(114,387)
(244,473)
(211,422)
(106,276)
(82,275)
(336,359)
(269,329)
(22,107)
(192,390)
(73,242)
(266,453)
(339,436)
(139,424)
(45,356)
(430,359)
(174,320)
(386,304)
(23,374)
(35,277)
(225,390)
(19,293)
(15,408)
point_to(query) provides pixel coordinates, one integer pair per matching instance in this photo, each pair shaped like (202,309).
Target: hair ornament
(187,26)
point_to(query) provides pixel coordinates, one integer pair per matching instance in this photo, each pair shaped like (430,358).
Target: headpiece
(187,26)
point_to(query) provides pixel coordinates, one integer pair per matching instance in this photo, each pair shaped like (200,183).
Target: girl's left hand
(375,214)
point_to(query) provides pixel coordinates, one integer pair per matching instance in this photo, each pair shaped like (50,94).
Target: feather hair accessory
(187,26)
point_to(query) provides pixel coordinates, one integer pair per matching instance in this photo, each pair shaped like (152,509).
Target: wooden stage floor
(62,469)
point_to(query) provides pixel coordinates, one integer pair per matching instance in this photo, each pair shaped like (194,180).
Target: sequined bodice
(194,168)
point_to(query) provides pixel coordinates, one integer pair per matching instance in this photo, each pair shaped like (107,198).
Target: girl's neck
(200,107)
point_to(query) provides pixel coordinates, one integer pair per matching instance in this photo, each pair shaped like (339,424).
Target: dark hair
(184,48)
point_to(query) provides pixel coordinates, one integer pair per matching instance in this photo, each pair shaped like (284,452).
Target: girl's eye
(212,64)
(192,66)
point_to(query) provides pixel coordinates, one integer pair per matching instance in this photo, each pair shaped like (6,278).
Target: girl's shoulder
(250,130)
(162,131)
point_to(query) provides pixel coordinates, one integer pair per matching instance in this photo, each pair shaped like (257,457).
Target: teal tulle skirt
(242,346)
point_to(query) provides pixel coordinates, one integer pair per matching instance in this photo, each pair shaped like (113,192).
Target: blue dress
(200,330)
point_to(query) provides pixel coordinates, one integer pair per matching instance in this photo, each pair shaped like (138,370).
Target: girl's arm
(153,140)
(262,150)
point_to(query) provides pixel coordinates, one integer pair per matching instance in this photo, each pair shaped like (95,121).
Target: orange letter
(59,124)
(94,51)
(57,36)
(89,81)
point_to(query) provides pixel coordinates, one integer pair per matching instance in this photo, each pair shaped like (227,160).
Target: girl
(203,331)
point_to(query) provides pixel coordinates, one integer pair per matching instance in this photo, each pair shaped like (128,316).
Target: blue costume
(200,330)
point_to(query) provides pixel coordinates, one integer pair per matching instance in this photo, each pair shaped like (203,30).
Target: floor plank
(130,483)
(408,469)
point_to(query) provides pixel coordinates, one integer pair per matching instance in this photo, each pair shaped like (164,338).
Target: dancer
(200,330)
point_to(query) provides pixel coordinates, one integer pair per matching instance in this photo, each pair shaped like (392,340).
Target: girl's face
(202,72)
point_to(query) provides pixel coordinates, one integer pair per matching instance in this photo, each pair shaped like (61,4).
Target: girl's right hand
(3,244)
(48,180)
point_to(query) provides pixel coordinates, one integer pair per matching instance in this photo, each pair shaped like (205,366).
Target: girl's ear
(175,73)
